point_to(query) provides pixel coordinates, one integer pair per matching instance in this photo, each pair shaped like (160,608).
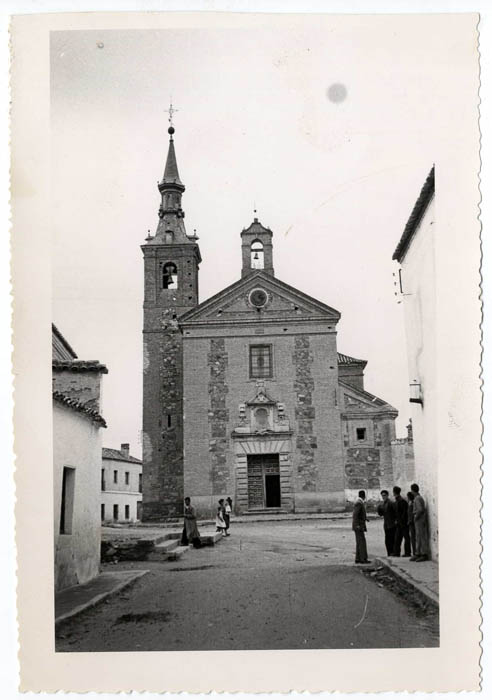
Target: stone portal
(263,481)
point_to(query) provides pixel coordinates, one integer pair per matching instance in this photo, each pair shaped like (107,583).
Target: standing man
(359,519)
(411,522)
(386,510)
(421,531)
(401,532)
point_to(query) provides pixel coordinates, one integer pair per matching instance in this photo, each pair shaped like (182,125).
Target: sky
(327,129)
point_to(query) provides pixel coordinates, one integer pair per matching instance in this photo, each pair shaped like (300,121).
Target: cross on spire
(171,111)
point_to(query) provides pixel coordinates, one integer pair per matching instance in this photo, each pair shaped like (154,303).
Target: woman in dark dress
(190,530)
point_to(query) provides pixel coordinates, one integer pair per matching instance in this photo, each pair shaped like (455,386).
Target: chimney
(125,449)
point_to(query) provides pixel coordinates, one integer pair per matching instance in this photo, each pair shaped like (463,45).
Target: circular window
(258,297)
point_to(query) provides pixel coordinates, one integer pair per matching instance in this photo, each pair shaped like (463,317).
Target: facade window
(67,498)
(103,481)
(140,483)
(361,434)
(260,361)
(127,478)
(103,512)
(127,512)
(115,512)
(169,420)
(169,276)
(115,476)
(257,256)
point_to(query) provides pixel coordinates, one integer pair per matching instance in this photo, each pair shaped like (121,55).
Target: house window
(115,512)
(103,482)
(169,276)
(260,361)
(115,476)
(140,483)
(127,478)
(361,434)
(127,512)
(103,512)
(67,497)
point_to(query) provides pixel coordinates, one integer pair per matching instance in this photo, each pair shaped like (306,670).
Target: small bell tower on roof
(257,249)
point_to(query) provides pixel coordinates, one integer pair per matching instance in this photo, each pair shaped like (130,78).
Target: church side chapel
(245,394)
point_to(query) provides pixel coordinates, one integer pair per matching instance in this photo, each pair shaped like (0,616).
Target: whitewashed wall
(419,289)
(77,444)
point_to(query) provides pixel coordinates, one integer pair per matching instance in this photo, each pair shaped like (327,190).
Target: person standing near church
(411,521)
(227,514)
(421,530)
(219,518)
(190,531)
(401,532)
(359,519)
(386,510)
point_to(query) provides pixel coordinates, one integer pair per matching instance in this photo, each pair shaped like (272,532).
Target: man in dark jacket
(359,519)
(401,532)
(386,510)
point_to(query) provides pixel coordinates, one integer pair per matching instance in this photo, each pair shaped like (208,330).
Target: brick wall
(217,381)
(83,386)
(163,425)
(368,462)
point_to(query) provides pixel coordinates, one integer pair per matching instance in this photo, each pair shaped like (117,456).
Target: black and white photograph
(249,310)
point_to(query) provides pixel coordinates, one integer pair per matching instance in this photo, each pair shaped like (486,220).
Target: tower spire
(171,174)
(171,226)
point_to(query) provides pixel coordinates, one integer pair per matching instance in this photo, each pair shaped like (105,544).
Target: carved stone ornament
(262,415)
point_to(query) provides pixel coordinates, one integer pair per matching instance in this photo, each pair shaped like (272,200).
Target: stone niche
(261,416)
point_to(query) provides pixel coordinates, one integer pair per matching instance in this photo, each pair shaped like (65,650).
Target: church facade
(245,394)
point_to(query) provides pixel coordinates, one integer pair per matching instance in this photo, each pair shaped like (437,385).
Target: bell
(256,256)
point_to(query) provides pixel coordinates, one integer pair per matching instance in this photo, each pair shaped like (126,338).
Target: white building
(121,485)
(77,427)
(416,253)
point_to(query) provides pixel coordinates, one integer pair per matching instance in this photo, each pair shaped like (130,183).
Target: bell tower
(171,262)
(256,249)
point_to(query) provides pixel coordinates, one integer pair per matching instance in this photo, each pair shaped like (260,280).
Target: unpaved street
(269,586)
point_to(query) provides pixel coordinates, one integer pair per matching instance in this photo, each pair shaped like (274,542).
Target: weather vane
(171,111)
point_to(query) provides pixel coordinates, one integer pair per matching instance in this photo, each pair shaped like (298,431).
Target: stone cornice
(377,412)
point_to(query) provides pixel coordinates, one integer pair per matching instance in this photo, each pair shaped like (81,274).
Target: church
(245,394)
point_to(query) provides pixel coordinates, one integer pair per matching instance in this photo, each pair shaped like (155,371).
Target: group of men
(404,521)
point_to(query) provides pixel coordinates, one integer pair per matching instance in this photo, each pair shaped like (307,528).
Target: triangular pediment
(236,303)
(356,400)
(261,397)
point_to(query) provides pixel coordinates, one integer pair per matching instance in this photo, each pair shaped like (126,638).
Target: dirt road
(269,586)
